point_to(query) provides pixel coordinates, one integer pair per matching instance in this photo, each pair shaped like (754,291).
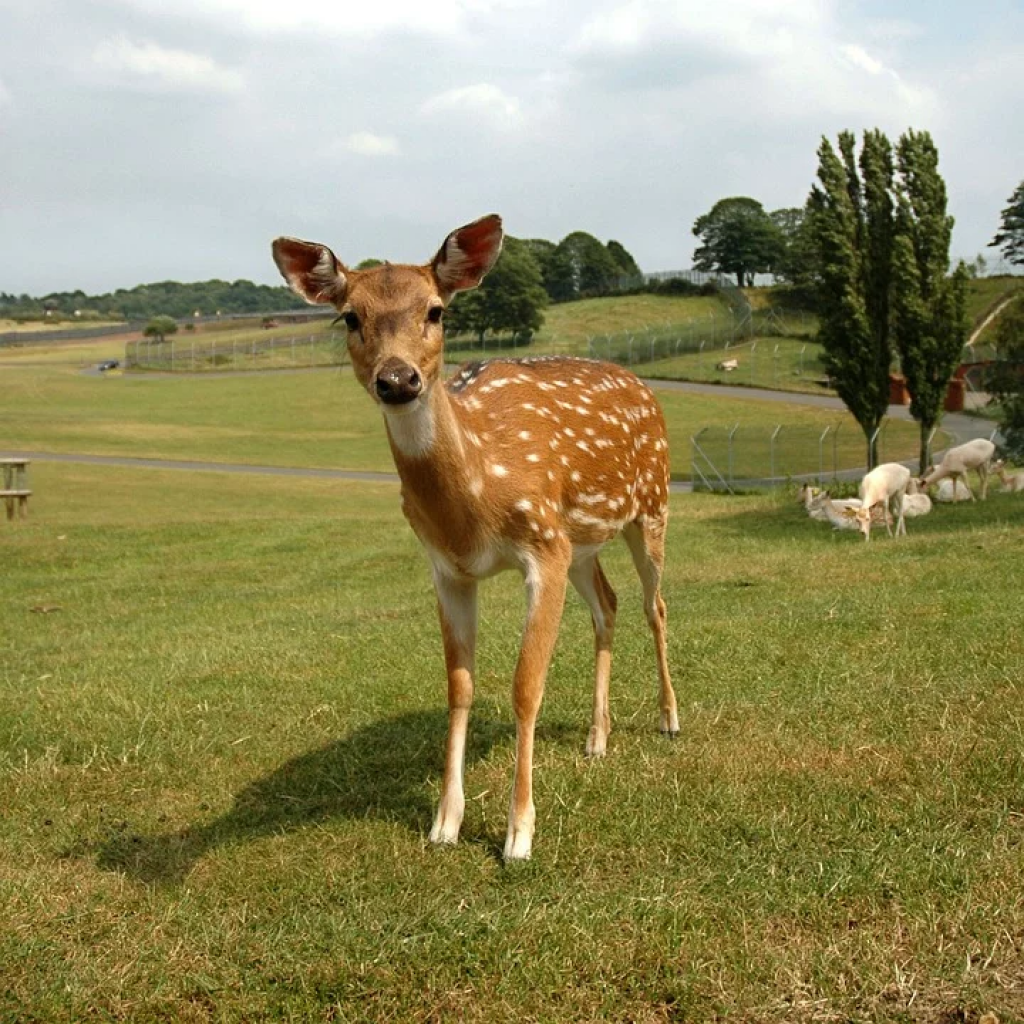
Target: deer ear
(311,270)
(467,254)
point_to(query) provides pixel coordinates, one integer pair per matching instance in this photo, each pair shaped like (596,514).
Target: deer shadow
(381,772)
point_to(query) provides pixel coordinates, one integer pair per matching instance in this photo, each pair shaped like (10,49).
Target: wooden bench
(15,491)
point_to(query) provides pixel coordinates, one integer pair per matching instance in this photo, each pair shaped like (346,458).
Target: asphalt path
(962,427)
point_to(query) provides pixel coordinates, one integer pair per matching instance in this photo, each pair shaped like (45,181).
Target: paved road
(964,428)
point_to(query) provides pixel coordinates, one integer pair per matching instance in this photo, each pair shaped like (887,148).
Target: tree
(585,267)
(1006,380)
(928,306)
(1010,236)
(160,327)
(737,237)
(510,299)
(845,222)
(627,266)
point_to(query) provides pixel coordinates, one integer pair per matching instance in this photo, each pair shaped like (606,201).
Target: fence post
(821,456)
(771,452)
(875,445)
(775,367)
(700,360)
(753,360)
(802,351)
(732,434)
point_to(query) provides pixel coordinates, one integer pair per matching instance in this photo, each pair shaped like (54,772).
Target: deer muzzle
(397,382)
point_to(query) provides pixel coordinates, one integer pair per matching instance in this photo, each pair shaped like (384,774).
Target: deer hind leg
(592,585)
(457,604)
(546,581)
(646,540)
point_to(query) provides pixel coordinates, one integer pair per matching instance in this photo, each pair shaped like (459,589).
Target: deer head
(394,312)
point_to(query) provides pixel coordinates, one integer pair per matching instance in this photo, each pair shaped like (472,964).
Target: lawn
(221,725)
(322,419)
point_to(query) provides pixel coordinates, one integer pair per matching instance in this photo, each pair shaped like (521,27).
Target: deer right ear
(467,254)
(311,270)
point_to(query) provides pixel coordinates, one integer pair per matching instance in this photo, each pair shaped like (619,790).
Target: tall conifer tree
(854,338)
(928,306)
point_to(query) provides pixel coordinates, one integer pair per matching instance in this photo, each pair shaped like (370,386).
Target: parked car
(109,364)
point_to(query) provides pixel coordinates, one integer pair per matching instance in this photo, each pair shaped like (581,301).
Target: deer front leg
(456,603)
(545,596)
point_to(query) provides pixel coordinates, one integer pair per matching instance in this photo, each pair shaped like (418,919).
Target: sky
(151,140)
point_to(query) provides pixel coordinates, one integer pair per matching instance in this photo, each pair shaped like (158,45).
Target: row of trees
(530,274)
(534,272)
(168,298)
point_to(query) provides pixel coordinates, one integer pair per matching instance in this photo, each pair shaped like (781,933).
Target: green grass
(221,723)
(324,420)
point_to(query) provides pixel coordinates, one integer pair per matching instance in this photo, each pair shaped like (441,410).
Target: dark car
(109,364)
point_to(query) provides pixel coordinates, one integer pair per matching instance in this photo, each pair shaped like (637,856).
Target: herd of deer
(526,464)
(890,489)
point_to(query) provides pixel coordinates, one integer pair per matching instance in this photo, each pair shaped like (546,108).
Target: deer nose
(398,383)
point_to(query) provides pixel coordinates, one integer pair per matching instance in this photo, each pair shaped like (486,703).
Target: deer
(530,465)
(956,463)
(883,486)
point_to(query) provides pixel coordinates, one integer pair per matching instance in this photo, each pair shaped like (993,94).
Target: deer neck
(441,472)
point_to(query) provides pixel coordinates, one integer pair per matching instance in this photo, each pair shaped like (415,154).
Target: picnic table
(15,491)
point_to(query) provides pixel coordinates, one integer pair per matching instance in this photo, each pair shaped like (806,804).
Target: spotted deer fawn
(527,464)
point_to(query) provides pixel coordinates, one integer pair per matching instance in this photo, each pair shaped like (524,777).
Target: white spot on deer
(496,469)
(575,477)
(533,457)
(524,435)
(524,505)
(476,486)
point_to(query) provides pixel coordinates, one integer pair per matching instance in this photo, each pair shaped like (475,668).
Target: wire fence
(742,458)
(208,354)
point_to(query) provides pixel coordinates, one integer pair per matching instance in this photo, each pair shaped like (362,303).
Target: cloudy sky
(142,140)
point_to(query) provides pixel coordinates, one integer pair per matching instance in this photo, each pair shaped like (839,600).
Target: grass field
(322,419)
(221,723)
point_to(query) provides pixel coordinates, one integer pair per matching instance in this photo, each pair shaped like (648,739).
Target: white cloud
(482,100)
(438,18)
(861,59)
(149,66)
(368,144)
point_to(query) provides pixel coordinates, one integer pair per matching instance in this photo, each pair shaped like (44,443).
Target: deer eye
(351,320)
(434,314)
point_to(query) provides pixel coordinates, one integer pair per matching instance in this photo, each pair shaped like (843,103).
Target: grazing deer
(527,464)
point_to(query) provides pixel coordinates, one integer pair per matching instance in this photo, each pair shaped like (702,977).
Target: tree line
(530,274)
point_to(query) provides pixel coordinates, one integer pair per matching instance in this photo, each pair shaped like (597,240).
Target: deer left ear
(467,254)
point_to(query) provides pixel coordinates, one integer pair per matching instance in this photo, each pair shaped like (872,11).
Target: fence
(740,458)
(651,343)
(198,355)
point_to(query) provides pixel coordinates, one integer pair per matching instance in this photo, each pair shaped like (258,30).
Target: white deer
(956,463)
(530,464)
(1012,482)
(879,487)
